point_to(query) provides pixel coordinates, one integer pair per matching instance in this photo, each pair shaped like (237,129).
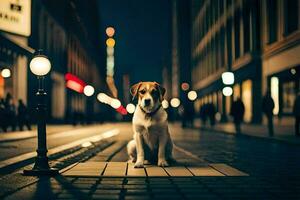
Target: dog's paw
(162,163)
(147,162)
(139,164)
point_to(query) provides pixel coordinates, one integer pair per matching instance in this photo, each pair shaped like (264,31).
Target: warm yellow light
(40,65)
(227,91)
(110,31)
(130,108)
(115,103)
(192,95)
(110,42)
(103,98)
(88,90)
(175,102)
(5,73)
(275,94)
(165,104)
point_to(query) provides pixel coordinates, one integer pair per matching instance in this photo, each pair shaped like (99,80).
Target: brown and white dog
(151,141)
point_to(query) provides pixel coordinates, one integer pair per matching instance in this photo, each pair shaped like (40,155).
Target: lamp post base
(41,172)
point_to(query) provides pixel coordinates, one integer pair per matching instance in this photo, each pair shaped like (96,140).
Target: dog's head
(149,94)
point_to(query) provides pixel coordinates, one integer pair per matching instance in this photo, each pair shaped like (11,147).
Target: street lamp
(40,66)
(228,81)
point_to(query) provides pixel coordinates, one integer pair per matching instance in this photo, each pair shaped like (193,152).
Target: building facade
(257,41)
(68,32)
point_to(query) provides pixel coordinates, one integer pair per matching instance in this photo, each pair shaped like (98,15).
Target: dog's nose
(147,102)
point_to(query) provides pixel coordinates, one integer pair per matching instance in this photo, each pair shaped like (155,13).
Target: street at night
(173,99)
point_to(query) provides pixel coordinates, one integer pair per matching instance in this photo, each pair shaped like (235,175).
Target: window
(246,20)
(272,20)
(237,34)
(291,16)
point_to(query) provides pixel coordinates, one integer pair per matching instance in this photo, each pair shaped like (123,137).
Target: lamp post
(40,66)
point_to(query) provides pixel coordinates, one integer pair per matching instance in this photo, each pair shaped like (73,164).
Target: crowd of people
(208,113)
(11,116)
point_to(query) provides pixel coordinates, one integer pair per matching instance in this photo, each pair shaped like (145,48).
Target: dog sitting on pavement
(151,142)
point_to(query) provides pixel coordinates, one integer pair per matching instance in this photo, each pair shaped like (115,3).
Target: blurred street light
(6,73)
(227,91)
(293,71)
(40,66)
(103,98)
(165,104)
(110,42)
(175,102)
(130,108)
(228,78)
(110,31)
(192,95)
(88,90)
(115,103)
(185,86)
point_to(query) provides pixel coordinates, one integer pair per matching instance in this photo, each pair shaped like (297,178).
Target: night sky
(143,37)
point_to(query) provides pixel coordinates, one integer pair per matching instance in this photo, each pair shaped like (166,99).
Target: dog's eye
(143,91)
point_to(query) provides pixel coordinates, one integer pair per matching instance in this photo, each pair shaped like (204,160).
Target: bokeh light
(175,102)
(115,103)
(227,91)
(192,95)
(5,73)
(165,104)
(110,42)
(130,108)
(88,90)
(185,86)
(110,31)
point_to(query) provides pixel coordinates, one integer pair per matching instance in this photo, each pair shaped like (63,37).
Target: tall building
(256,40)
(68,32)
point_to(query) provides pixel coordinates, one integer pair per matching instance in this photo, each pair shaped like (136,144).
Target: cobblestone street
(272,169)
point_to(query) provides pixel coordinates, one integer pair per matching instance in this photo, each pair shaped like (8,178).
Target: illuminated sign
(74,83)
(15,16)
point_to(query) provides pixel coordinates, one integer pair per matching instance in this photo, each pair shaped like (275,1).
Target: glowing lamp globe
(88,90)
(40,65)
(228,78)
(227,91)
(5,73)
(130,108)
(115,103)
(192,95)
(175,102)
(165,104)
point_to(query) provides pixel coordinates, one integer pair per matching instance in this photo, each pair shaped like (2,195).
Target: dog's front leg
(162,162)
(140,150)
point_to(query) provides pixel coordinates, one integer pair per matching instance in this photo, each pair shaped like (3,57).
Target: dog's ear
(134,90)
(161,90)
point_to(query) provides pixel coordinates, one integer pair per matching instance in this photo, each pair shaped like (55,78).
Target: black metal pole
(41,166)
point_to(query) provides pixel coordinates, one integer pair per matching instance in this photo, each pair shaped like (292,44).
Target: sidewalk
(19,135)
(283,130)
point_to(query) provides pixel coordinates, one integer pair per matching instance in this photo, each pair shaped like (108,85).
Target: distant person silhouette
(237,112)
(211,112)
(23,116)
(188,113)
(296,112)
(203,114)
(3,121)
(267,108)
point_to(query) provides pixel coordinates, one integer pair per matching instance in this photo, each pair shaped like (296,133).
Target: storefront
(284,87)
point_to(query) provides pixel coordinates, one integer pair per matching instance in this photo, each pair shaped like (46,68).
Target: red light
(121,110)
(74,83)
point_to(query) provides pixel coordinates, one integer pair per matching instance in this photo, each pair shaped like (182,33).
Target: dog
(151,142)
